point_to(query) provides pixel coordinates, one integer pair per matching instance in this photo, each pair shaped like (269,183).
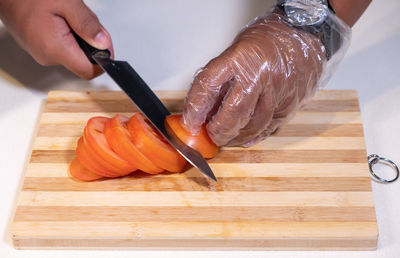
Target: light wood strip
(227,214)
(47,170)
(55,143)
(180,184)
(234,170)
(119,95)
(176,105)
(306,130)
(190,199)
(61,130)
(75,118)
(326,118)
(143,230)
(300,118)
(238,156)
(335,94)
(218,244)
(273,143)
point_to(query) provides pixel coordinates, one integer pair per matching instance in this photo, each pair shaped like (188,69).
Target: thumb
(86,24)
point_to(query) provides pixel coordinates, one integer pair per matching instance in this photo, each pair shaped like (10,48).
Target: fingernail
(101,40)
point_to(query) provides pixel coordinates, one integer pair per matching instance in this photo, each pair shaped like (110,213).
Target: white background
(166,41)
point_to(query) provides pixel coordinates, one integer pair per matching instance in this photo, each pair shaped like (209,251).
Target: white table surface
(167,41)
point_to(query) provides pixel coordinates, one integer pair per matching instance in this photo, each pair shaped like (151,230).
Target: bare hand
(43,29)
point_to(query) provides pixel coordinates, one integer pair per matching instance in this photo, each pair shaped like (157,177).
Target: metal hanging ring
(374,159)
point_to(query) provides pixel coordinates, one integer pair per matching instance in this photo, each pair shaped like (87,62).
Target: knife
(144,98)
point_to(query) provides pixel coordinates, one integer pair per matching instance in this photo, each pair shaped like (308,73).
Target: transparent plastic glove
(259,82)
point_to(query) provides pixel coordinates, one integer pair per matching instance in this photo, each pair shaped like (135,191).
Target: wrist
(316,17)
(349,11)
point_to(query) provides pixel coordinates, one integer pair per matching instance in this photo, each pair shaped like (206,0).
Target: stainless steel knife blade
(150,105)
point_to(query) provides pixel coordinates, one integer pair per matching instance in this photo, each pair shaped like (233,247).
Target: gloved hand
(256,84)
(43,29)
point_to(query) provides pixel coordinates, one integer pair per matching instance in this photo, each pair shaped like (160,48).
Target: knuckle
(241,46)
(88,22)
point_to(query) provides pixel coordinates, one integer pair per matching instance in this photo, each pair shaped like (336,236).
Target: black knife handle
(91,51)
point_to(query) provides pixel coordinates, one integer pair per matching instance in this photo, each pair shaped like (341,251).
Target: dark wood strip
(294,130)
(290,156)
(52,156)
(322,130)
(175,184)
(351,105)
(198,214)
(176,105)
(300,243)
(238,156)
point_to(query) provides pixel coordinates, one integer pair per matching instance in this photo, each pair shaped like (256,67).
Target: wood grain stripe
(244,244)
(290,156)
(181,184)
(306,143)
(75,118)
(311,130)
(119,95)
(326,118)
(335,94)
(331,106)
(47,170)
(273,143)
(300,118)
(176,105)
(234,170)
(55,143)
(290,130)
(61,130)
(238,156)
(52,156)
(228,214)
(143,230)
(126,105)
(203,199)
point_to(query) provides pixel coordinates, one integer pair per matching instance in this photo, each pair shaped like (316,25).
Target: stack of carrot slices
(118,146)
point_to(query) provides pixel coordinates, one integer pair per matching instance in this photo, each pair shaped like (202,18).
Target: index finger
(66,51)
(204,92)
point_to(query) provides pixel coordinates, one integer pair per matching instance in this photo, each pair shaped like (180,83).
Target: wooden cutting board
(305,188)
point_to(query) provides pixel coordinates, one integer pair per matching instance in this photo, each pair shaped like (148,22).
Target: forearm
(349,10)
